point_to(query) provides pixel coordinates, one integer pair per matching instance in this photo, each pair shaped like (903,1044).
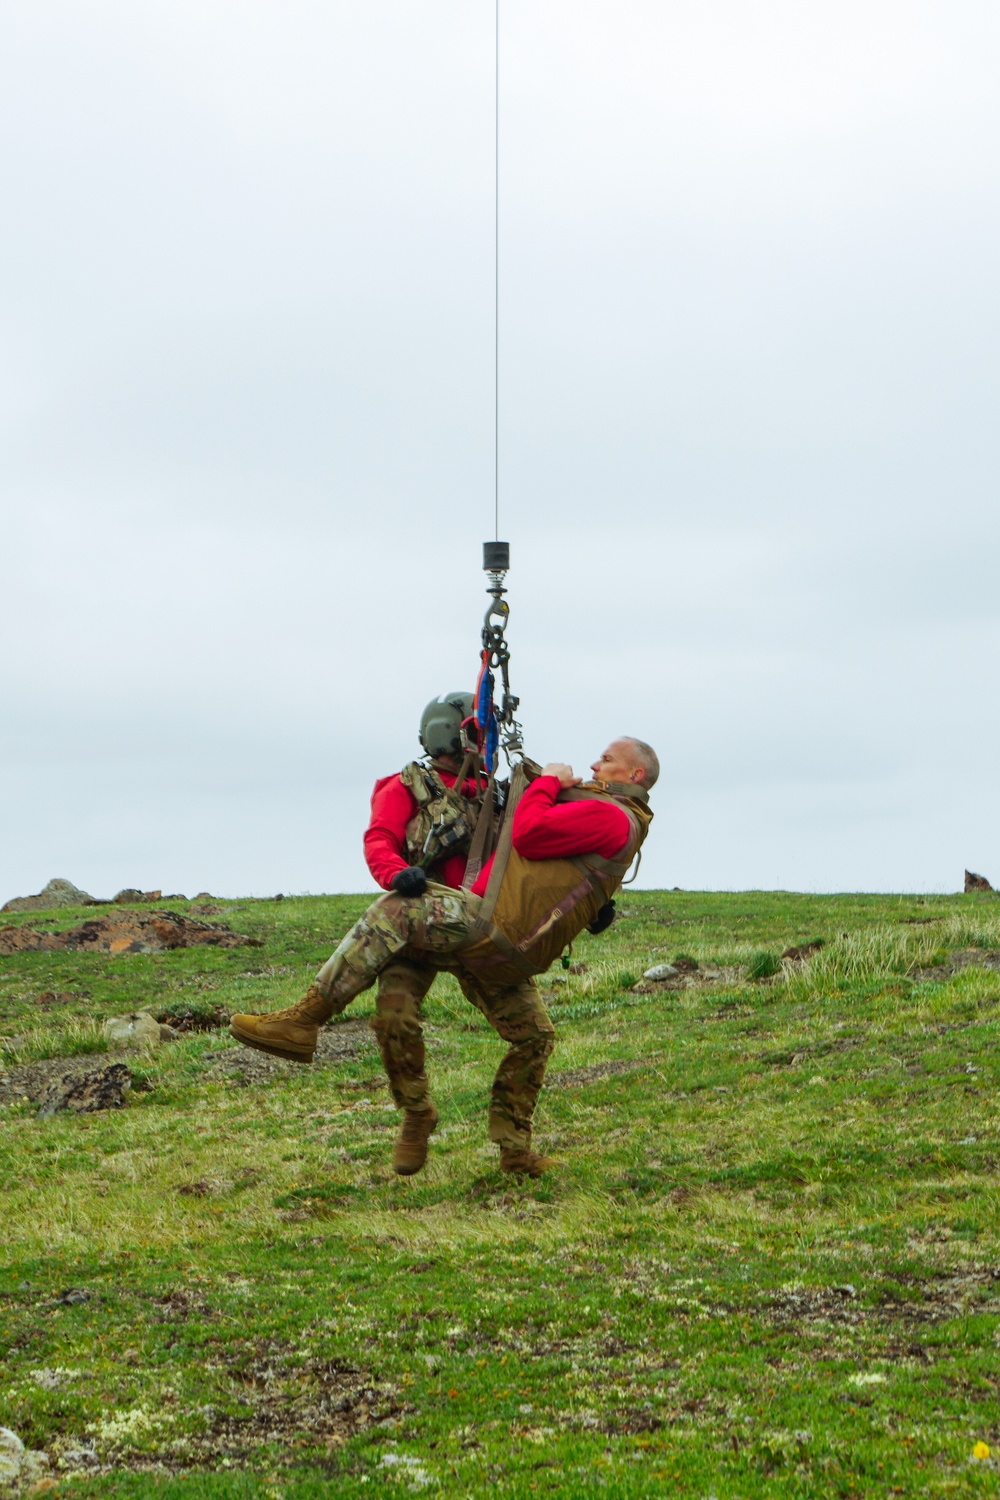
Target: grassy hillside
(767,1264)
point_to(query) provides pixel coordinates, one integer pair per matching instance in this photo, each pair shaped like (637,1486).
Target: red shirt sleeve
(385,837)
(393,805)
(547,829)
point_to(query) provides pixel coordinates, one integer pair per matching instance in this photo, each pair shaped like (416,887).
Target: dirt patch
(574,1078)
(915,1300)
(803,950)
(126,932)
(85,1093)
(48,999)
(962,958)
(79,1084)
(187,1022)
(245,1065)
(328,1400)
(689,979)
(31,1081)
(278,1400)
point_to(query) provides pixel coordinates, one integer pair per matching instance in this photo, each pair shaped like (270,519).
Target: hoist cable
(496,727)
(496,275)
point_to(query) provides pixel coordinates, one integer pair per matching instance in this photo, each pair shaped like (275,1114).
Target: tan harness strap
(483,838)
(484,920)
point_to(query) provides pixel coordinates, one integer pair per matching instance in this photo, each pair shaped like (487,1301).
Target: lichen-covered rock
(19,1466)
(56,893)
(12,1452)
(138,1029)
(661,971)
(85,1093)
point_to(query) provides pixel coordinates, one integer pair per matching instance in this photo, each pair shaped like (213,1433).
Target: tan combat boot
(523,1161)
(287,1033)
(410,1150)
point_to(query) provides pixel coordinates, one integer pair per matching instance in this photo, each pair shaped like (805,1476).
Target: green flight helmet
(441,724)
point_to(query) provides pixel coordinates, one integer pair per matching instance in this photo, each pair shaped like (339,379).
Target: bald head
(628,759)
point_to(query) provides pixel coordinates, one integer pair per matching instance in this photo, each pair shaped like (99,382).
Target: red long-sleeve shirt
(547,829)
(543,829)
(393,805)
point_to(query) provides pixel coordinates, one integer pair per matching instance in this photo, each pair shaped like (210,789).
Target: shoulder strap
(420,780)
(484,916)
(483,838)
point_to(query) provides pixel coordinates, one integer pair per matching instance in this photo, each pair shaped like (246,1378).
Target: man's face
(617,763)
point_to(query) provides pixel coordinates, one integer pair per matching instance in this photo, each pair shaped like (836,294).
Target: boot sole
(270,1048)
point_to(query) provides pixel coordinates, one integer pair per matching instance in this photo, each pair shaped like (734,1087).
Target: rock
(20,1466)
(130,895)
(972,883)
(12,1452)
(56,893)
(73,1296)
(662,971)
(137,1029)
(85,1093)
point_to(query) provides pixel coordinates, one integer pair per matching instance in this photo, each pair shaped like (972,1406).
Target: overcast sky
(748,424)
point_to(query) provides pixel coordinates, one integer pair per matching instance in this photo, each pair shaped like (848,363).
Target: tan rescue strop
(488,947)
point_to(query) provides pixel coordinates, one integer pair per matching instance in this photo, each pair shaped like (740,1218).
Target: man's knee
(396,1017)
(397,1032)
(519,1015)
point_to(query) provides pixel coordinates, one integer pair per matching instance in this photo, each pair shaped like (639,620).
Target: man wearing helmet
(563,852)
(420,830)
(421,823)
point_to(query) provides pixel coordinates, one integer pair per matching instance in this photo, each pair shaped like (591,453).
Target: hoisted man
(564,848)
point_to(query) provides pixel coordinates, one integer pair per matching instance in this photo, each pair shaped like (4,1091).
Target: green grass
(767,1264)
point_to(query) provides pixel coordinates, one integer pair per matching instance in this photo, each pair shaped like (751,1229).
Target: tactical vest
(533,908)
(444,821)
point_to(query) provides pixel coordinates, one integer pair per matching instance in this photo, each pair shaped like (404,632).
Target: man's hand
(604,918)
(410,882)
(562,773)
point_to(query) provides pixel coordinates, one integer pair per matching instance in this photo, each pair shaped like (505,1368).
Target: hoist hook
(496,726)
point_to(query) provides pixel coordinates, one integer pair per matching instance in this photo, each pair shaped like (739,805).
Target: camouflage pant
(404,942)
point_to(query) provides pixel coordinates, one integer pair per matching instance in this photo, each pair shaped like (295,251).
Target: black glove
(410,882)
(604,918)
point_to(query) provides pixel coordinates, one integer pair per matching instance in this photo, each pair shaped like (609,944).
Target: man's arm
(547,829)
(385,836)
